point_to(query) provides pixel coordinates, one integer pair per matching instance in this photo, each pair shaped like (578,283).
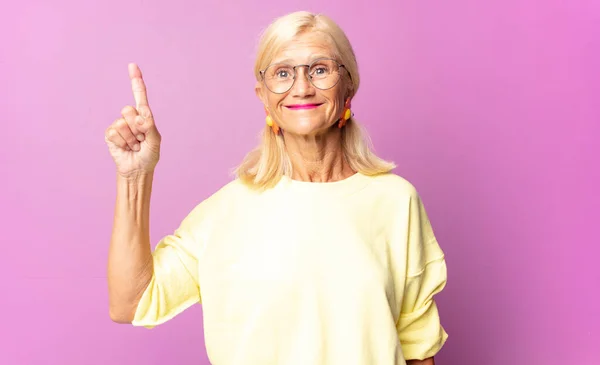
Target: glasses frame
(340,66)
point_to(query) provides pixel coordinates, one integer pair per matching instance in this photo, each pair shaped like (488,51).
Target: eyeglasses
(323,73)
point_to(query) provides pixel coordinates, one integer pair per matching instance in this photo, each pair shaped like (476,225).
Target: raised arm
(134,144)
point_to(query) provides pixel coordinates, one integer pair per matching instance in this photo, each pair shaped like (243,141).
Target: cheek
(273,102)
(337,103)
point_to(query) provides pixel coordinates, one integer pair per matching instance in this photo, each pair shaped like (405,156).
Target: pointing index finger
(138,87)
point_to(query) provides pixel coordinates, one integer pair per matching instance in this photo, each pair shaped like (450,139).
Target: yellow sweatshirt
(339,273)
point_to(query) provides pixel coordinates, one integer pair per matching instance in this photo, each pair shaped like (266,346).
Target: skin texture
(312,138)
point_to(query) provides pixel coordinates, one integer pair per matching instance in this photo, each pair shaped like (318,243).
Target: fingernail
(136,147)
(140,137)
(139,120)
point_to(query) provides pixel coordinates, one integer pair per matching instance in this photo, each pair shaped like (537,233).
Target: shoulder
(393,187)
(396,197)
(227,192)
(217,204)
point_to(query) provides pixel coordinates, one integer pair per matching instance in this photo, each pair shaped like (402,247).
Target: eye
(283,73)
(320,70)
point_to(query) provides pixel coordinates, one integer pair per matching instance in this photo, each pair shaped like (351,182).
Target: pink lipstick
(302,106)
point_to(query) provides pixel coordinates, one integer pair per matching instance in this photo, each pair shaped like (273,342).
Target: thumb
(145,124)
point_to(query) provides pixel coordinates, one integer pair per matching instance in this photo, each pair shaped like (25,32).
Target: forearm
(428,361)
(129,258)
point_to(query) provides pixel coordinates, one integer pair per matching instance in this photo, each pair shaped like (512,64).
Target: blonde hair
(264,166)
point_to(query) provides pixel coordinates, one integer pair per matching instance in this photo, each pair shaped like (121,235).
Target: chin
(307,127)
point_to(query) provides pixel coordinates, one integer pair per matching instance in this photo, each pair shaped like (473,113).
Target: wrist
(135,177)
(135,187)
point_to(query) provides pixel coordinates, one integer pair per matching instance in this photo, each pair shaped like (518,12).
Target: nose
(302,85)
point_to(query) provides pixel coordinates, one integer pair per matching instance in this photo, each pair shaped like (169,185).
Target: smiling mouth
(302,106)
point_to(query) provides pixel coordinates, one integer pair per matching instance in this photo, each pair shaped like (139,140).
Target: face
(305,109)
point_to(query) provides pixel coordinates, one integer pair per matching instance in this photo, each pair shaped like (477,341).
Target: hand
(133,140)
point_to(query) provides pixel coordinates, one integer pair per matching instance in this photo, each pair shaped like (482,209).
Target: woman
(315,254)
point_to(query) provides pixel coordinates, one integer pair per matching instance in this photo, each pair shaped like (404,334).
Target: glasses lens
(279,77)
(324,73)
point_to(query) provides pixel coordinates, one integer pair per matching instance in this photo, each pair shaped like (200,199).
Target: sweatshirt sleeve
(174,286)
(419,328)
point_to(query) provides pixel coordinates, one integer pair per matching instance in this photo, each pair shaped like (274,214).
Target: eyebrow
(314,57)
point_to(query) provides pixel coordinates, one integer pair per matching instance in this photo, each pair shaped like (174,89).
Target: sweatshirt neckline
(348,185)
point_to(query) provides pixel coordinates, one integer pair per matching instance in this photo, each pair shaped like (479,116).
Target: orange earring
(271,123)
(346,114)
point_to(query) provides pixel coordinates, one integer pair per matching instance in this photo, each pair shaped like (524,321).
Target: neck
(318,158)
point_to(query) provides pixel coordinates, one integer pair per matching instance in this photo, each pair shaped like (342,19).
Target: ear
(350,91)
(258,89)
(349,85)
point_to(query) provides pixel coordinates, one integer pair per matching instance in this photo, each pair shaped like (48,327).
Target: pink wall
(489,108)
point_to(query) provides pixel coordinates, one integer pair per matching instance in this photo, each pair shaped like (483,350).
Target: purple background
(489,108)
